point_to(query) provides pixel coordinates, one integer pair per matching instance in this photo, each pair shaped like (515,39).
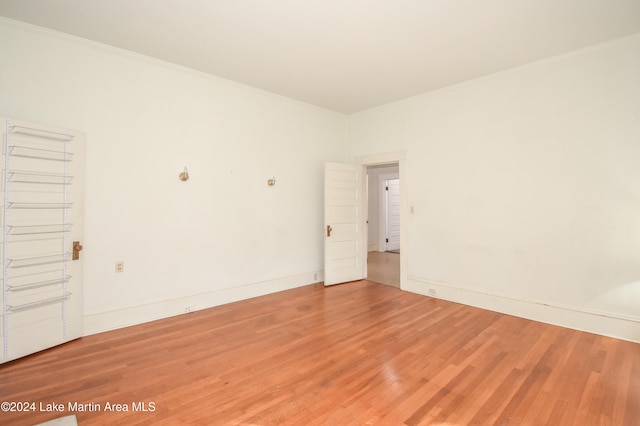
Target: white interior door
(42,218)
(345,219)
(392,225)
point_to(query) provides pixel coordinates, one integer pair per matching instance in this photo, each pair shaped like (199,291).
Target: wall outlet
(119,266)
(188,309)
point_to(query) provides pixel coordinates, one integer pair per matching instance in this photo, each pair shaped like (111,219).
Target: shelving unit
(38,260)
(38,304)
(39,284)
(37,206)
(39,154)
(35,245)
(41,178)
(57,228)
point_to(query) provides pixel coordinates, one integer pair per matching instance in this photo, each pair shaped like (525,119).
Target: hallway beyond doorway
(384,268)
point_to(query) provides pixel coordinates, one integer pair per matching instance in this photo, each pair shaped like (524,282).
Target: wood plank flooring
(354,354)
(384,268)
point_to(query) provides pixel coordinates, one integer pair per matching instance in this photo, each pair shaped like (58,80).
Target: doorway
(383,233)
(390,221)
(346,241)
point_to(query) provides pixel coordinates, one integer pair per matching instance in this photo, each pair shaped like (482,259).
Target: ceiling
(343,55)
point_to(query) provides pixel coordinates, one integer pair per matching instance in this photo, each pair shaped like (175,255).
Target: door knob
(77,248)
(329,229)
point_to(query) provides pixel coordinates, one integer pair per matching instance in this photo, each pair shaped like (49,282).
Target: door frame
(398,157)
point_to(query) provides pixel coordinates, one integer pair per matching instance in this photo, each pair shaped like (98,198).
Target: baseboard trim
(372,247)
(98,322)
(577,318)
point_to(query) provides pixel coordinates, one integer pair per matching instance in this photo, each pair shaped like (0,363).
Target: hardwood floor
(353,354)
(384,268)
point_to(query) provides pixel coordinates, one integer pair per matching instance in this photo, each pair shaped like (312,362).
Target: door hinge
(387,240)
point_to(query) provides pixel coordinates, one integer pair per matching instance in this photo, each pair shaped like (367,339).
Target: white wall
(526,187)
(525,183)
(224,235)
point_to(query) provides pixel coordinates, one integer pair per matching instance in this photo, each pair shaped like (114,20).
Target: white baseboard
(577,318)
(98,322)
(372,247)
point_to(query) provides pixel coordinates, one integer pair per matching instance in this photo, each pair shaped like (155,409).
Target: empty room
(194,212)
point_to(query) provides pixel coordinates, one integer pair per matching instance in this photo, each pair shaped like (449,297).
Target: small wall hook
(184,176)
(272,181)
